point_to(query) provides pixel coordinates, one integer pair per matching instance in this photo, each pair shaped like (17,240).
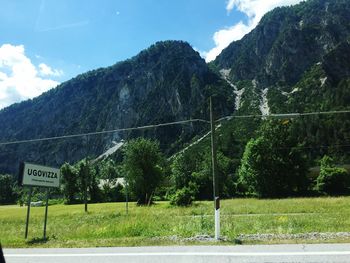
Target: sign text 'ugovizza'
(38,175)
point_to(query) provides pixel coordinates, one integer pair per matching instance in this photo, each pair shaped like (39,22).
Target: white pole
(215,179)
(217,224)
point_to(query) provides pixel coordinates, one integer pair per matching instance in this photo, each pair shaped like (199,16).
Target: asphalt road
(271,253)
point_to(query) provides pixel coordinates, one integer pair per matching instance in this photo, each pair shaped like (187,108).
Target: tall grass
(109,225)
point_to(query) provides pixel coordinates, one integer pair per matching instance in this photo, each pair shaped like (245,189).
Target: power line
(194,143)
(290,115)
(316,146)
(103,132)
(286,115)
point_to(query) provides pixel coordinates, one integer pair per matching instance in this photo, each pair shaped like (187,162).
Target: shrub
(7,193)
(112,193)
(184,196)
(332,180)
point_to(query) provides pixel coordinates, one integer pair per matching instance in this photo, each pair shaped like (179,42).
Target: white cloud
(46,70)
(203,54)
(19,78)
(254,10)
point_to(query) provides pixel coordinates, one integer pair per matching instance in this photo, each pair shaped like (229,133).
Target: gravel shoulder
(261,238)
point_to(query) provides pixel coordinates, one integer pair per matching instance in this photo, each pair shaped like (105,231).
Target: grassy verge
(108,224)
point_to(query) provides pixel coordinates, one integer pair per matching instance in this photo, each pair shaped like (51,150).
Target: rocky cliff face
(165,83)
(296,60)
(288,42)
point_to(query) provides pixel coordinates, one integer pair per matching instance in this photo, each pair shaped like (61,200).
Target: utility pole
(86,174)
(215,179)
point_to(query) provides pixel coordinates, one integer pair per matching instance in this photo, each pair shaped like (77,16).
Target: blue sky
(46,42)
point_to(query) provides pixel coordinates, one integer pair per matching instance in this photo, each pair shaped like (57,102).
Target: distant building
(111,182)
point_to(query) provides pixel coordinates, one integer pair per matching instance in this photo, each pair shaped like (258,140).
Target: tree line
(273,164)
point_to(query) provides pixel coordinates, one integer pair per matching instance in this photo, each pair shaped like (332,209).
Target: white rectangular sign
(38,175)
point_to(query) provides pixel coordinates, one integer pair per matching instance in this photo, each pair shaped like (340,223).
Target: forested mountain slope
(295,60)
(167,82)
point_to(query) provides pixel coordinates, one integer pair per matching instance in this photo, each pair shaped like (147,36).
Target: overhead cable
(284,115)
(102,132)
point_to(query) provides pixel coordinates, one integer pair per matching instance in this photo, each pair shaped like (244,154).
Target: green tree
(143,166)
(273,165)
(93,188)
(7,193)
(194,167)
(204,177)
(112,192)
(332,179)
(108,169)
(70,182)
(183,167)
(85,180)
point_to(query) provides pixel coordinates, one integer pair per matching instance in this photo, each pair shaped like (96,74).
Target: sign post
(126,198)
(46,208)
(41,176)
(28,210)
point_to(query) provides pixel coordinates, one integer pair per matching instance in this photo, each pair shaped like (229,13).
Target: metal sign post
(126,198)
(28,211)
(46,210)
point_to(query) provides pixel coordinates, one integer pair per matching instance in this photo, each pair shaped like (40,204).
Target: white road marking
(229,254)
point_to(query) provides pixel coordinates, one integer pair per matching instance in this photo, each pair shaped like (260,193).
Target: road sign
(38,175)
(41,176)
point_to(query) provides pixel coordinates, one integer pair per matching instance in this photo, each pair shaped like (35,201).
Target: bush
(184,196)
(332,180)
(113,193)
(7,192)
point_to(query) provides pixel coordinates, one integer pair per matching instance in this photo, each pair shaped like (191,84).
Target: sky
(46,42)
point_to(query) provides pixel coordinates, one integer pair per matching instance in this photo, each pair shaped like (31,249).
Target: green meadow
(109,225)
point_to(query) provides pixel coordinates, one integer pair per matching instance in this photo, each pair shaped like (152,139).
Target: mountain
(295,60)
(167,82)
(287,41)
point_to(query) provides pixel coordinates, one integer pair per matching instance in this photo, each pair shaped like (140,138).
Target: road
(267,253)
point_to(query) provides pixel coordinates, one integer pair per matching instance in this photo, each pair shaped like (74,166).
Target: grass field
(108,224)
